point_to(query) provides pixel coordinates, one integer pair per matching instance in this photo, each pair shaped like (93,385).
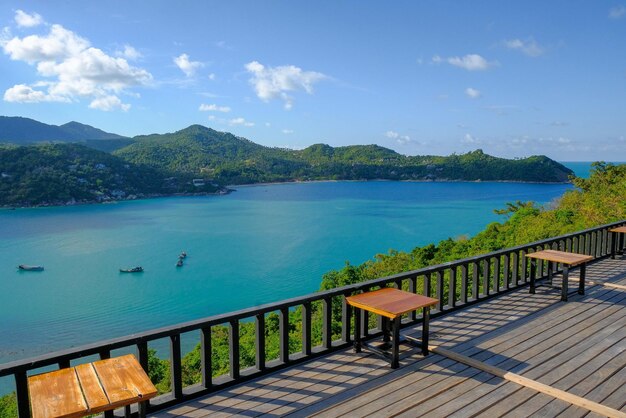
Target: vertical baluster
(233,348)
(206,351)
(259,343)
(345,319)
(515,263)
(464,283)
(306,328)
(496,274)
(21,391)
(486,274)
(142,355)
(64,364)
(412,289)
(524,266)
(439,279)
(506,270)
(592,244)
(587,247)
(427,285)
(175,368)
(475,279)
(327,318)
(284,335)
(452,288)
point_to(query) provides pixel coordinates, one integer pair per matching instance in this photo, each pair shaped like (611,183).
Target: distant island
(74,163)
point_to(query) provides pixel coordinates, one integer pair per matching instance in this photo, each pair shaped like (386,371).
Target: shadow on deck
(577,346)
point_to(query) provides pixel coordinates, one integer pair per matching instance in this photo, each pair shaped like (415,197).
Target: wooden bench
(390,304)
(567,260)
(90,388)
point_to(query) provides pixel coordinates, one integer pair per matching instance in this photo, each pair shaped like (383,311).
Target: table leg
(357,330)
(108,414)
(385,323)
(564,284)
(425,320)
(550,271)
(581,282)
(127,411)
(533,273)
(143,409)
(395,348)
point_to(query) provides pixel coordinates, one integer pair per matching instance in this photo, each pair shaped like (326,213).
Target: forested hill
(58,174)
(19,130)
(229,159)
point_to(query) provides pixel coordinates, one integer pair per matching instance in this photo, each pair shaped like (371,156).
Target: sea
(259,244)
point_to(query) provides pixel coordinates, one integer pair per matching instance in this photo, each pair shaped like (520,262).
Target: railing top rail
(163,332)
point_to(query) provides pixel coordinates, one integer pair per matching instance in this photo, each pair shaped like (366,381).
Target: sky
(420,77)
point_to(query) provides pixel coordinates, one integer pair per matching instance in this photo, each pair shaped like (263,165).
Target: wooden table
(90,388)
(567,260)
(617,242)
(391,304)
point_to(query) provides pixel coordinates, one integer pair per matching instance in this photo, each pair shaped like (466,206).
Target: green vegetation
(233,160)
(598,200)
(70,173)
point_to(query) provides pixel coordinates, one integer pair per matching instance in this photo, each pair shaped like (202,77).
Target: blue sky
(427,77)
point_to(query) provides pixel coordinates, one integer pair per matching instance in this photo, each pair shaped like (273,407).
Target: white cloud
(268,124)
(213,108)
(469,139)
(21,93)
(25,20)
(470,62)
(529,47)
(473,93)
(617,12)
(274,82)
(400,139)
(287,131)
(186,66)
(108,103)
(130,53)
(212,77)
(73,70)
(240,122)
(211,117)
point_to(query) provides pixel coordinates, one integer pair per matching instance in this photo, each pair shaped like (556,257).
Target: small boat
(133,270)
(182,255)
(179,263)
(25,267)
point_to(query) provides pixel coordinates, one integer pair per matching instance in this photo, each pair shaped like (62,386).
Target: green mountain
(58,174)
(18,130)
(229,159)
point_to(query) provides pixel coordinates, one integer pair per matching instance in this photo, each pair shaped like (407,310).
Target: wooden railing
(456,284)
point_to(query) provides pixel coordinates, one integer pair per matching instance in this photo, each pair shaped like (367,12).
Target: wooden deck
(577,346)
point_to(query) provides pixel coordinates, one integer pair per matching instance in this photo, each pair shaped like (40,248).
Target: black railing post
(345,319)
(175,367)
(412,289)
(464,283)
(233,342)
(439,279)
(206,353)
(21,391)
(306,328)
(327,318)
(496,274)
(284,335)
(259,345)
(515,263)
(505,271)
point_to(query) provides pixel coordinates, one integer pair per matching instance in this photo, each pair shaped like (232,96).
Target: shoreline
(233,187)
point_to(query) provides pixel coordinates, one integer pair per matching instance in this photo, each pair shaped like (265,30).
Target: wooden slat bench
(90,388)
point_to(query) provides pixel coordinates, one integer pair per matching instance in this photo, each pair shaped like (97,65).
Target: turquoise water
(582,168)
(257,245)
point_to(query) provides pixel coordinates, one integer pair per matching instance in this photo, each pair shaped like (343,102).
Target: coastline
(225,190)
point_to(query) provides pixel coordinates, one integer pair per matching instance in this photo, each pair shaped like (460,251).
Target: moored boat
(132,270)
(183,255)
(179,263)
(26,267)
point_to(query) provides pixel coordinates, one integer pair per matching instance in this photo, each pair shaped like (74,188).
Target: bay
(257,245)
